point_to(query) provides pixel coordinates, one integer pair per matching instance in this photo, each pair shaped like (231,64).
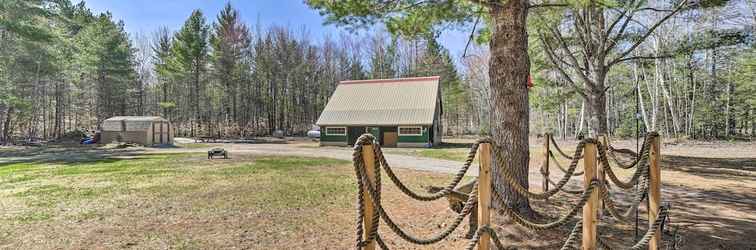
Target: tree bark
(597,112)
(7,125)
(581,119)
(508,72)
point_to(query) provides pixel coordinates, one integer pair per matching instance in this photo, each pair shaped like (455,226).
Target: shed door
(390,139)
(153,132)
(354,133)
(375,131)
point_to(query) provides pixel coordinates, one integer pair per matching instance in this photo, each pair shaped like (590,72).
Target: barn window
(335,131)
(410,130)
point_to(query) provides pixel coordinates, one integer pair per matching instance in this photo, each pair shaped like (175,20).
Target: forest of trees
(65,68)
(688,69)
(693,75)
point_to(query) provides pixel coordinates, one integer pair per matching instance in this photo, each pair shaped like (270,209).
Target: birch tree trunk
(580,118)
(671,106)
(640,96)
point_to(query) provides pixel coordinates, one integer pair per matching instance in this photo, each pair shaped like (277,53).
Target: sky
(146,16)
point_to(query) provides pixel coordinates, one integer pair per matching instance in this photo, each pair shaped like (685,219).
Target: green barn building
(403,112)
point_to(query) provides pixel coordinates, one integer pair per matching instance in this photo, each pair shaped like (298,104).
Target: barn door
(153,133)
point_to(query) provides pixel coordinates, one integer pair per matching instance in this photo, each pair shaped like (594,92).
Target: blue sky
(146,16)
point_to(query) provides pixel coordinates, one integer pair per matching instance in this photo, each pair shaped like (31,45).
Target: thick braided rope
(638,198)
(519,219)
(360,210)
(626,217)
(437,195)
(380,242)
(466,210)
(485,230)
(564,189)
(515,185)
(610,151)
(469,205)
(360,206)
(553,142)
(553,158)
(572,239)
(602,243)
(359,166)
(618,162)
(661,217)
(642,165)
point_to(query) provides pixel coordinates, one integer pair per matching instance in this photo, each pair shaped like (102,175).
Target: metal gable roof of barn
(403,101)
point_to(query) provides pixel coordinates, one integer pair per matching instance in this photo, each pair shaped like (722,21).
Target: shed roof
(136,118)
(403,101)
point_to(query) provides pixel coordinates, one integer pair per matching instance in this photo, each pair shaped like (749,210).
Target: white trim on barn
(340,128)
(418,128)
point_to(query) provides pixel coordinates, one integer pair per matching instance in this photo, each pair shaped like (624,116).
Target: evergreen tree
(230,39)
(436,61)
(190,52)
(162,65)
(105,58)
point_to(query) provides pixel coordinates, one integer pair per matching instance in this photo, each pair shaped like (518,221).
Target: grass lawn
(152,190)
(185,201)
(452,154)
(192,145)
(449,153)
(85,198)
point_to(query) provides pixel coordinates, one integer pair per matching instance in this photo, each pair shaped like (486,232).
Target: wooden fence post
(368,156)
(590,209)
(546,162)
(484,194)
(654,195)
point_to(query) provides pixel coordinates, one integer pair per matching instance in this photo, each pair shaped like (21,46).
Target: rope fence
(595,197)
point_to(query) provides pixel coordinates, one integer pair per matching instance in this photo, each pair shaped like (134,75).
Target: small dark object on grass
(217,152)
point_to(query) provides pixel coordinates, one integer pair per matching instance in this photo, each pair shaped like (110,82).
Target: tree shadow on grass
(68,155)
(721,168)
(454,145)
(714,219)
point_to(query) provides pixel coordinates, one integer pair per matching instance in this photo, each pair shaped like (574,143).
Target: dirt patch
(254,201)
(711,188)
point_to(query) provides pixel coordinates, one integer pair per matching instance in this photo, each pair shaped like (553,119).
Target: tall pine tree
(230,38)
(190,54)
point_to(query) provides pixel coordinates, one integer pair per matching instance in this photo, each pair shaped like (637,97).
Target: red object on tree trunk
(530,82)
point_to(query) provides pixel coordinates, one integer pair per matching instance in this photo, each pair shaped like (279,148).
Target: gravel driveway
(309,149)
(304,149)
(341,153)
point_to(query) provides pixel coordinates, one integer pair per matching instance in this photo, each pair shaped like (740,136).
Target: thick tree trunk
(597,112)
(597,103)
(508,70)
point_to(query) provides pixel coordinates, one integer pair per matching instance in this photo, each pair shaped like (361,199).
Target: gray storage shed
(144,130)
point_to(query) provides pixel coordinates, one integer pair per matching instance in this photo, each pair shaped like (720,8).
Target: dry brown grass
(86,200)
